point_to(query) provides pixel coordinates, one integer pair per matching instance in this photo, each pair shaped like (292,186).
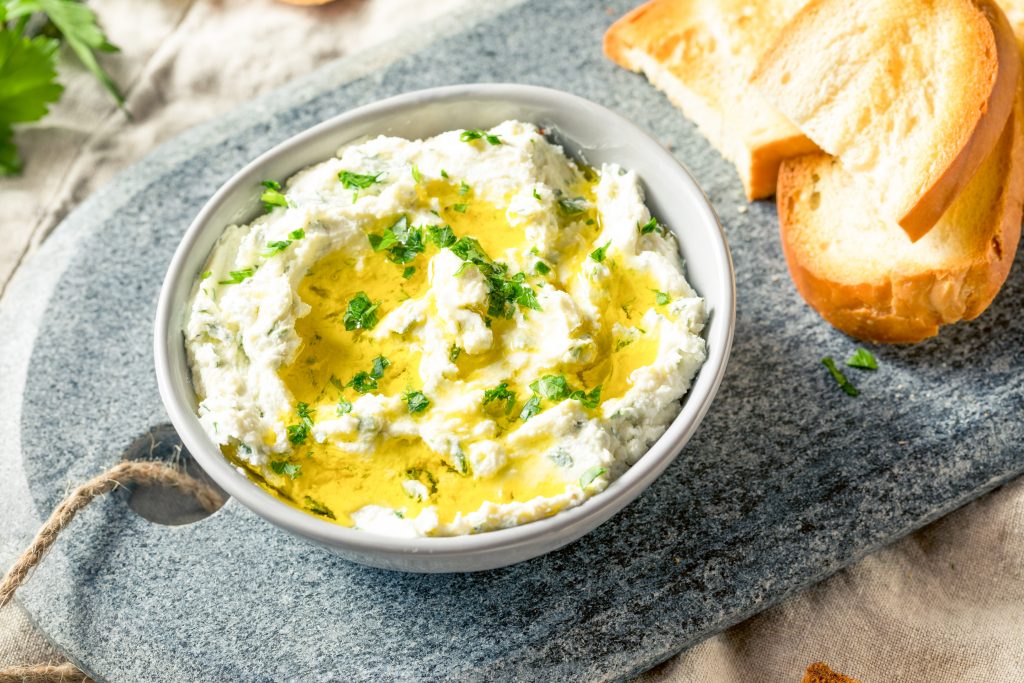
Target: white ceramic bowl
(587,131)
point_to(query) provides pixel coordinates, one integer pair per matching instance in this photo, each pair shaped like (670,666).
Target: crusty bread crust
(700,53)
(943,162)
(819,672)
(895,303)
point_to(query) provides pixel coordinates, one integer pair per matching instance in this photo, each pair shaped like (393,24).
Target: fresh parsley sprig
(28,63)
(475,134)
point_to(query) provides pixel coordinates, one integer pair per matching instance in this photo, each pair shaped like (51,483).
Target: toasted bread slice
(820,673)
(701,53)
(863,275)
(909,95)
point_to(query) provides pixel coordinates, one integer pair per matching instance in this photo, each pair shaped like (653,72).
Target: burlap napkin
(946,604)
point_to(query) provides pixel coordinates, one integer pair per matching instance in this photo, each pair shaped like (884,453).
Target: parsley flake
(531,408)
(288,469)
(839,377)
(475,134)
(272,197)
(461,208)
(416,174)
(862,359)
(442,236)
(344,407)
(380,364)
(454,352)
(298,433)
(661,298)
(361,313)
(572,207)
(651,226)
(501,393)
(590,475)
(542,268)
(408,272)
(401,241)
(318,508)
(363,383)
(600,253)
(357,181)
(416,400)
(237,276)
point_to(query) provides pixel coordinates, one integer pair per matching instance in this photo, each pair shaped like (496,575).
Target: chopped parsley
(237,276)
(444,174)
(661,298)
(380,364)
(862,359)
(531,408)
(536,195)
(464,188)
(357,181)
(504,291)
(416,400)
(501,393)
(475,134)
(461,208)
(416,174)
(408,272)
(572,207)
(418,474)
(556,388)
(288,469)
(461,466)
(401,241)
(318,508)
(542,268)
(280,245)
(272,197)
(454,352)
(600,253)
(840,378)
(362,382)
(590,475)
(205,274)
(442,236)
(344,407)
(361,313)
(651,226)
(298,433)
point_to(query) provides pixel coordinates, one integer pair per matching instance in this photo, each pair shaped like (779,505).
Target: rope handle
(122,474)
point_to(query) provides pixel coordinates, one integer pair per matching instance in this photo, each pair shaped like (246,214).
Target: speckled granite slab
(787,480)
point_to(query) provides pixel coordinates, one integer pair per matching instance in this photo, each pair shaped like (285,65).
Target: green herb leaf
(599,253)
(272,197)
(344,407)
(357,181)
(536,195)
(362,382)
(380,364)
(454,352)
(28,85)
(590,475)
(361,313)
(416,400)
(651,226)
(297,234)
(442,236)
(552,387)
(408,272)
(77,24)
(298,433)
(840,378)
(288,469)
(542,268)
(276,247)
(444,174)
(589,400)
(205,274)
(416,174)
(401,241)
(862,359)
(661,298)
(237,276)
(475,134)
(504,292)
(461,208)
(501,393)
(531,408)
(318,508)
(572,207)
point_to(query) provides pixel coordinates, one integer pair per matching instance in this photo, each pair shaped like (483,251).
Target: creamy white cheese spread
(444,336)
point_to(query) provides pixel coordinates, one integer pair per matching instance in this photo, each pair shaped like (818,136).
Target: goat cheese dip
(443,336)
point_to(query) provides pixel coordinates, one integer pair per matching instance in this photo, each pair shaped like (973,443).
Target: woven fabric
(946,604)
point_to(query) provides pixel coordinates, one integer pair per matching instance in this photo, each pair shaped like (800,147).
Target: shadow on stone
(162,504)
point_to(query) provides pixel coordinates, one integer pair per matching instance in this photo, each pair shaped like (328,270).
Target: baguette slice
(819,672)
(909,95)
(859,271)
(701,53)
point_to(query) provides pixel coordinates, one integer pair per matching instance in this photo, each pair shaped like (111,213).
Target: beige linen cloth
(946,604)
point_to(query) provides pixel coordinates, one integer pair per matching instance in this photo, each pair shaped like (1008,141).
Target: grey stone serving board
(787,480)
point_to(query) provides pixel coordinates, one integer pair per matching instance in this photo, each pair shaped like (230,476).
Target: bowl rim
(565,523)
